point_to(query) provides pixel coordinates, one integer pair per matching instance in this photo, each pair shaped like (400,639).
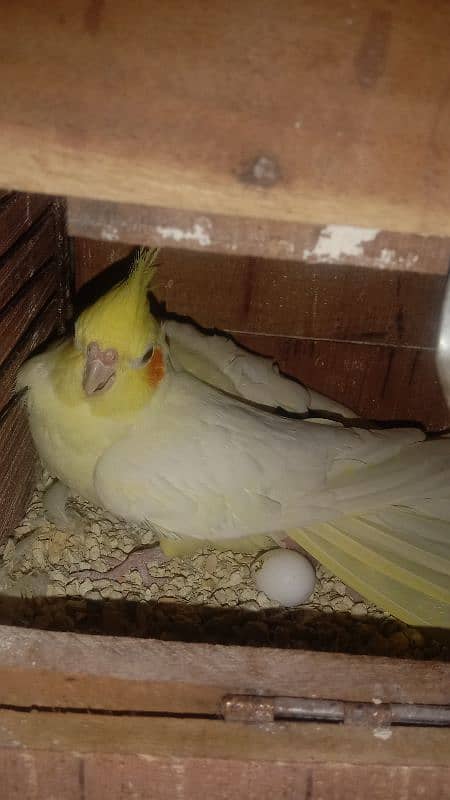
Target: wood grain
(333,113)
(37,774)
(130,757)
(68,670)
(32,299)
(379,383)
(364,338)
(283,298)
(35,335)
(19,264)
(17,468)
(17,213)
(233,235)
(23,308)
(92,257)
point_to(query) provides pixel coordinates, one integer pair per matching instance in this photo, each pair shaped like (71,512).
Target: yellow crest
(121,318)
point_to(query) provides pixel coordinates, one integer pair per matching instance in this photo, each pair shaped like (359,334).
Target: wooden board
(35,335)
(132,714)
(75,671)
(25,260)
(17,468)
(335,112)
(89,757)
(284,298)
(293,299)
(340,245)
(31,286)
(23,309)
(91,257)
(379,383)
(32,302)
(364,338)
(17,214)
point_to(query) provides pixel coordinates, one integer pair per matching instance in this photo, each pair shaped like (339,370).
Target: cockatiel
(164,425)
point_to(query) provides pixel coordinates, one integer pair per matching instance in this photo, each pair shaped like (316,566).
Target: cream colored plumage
(160,445)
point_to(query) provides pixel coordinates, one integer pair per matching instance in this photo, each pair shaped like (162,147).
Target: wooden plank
(380,383)
(122,757)
(291,299)
(37,774)
(295,313)
(21,263)
(341,245)
(202,738)
(17,214)
(335,113)
(31,302)
(284,298)
(37,333)
(91,257)
(256,780)
(64,265)
(17,468)
(24,307)
(223,779)
(68,670)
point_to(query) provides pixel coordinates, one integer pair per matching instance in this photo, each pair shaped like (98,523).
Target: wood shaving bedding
(44,565)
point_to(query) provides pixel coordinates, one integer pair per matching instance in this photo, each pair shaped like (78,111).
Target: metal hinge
(257,709)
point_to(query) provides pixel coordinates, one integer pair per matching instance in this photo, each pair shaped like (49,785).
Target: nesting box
(303,208)
(218,712)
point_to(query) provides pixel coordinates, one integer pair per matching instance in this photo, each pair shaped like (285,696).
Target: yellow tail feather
(406,580)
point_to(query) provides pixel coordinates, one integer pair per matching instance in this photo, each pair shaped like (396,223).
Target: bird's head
(114,354)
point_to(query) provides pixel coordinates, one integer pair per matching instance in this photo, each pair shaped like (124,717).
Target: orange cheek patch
(155,368)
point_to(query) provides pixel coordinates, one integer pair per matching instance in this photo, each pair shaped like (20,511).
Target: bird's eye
(147,355)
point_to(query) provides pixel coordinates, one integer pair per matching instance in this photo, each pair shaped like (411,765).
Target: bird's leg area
(138,560)
(68,521)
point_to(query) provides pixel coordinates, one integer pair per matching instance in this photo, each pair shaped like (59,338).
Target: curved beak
(100,369)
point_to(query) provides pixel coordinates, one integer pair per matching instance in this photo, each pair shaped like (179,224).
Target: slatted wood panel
(323,113)
(32,298)
(364,338)
(25,305)
(27,258)
(17,467)
(17,214)
(37,333)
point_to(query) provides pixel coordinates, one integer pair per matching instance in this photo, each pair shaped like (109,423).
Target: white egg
(287,577)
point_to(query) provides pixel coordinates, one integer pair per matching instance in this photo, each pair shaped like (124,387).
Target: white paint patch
(198,233)
(376,701)
(382,733)
(336,242)
(285,247)
(387,257)
(110,233)
(390,258)
(410,260)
